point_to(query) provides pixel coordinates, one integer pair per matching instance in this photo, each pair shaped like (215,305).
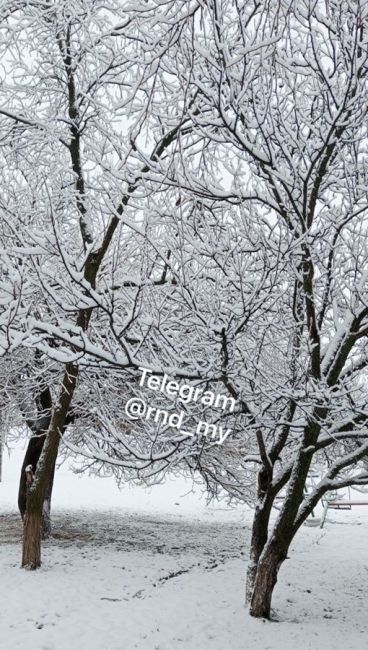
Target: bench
(345,503)
(339,504)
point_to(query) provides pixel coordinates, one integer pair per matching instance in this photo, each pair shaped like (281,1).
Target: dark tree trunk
(37,490)
(32,455)
(38,483)
(269,550)
(261,517)
(265,580)
(258,541)
(32,527)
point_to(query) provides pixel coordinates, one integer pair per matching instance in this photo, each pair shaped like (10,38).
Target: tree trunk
(265,581)
(46,507)
(258,541)
(251,572)
(265,499)
(38,484)
(37,492)
(31,557)
(32,455)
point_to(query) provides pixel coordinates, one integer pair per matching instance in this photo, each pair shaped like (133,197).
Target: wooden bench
(345,503)
(339,504)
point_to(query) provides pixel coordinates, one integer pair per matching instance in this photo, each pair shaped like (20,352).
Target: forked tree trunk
(261,519)
(32,455)
(38,485)
(37,491)
(265,570)
(265,564)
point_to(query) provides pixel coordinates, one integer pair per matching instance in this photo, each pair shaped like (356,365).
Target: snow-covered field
(161,571)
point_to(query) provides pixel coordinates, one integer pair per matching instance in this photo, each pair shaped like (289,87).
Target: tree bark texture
(37,490)
(265,580)
(32,455)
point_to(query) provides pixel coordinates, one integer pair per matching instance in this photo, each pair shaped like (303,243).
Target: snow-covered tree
(186,191)
(82,88)
(281,97)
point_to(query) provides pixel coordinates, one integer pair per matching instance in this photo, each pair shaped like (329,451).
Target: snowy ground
(117,578)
